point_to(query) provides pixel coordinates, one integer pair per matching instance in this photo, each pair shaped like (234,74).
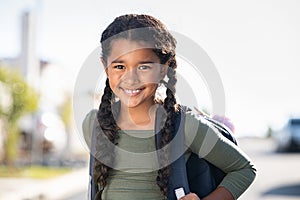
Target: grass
(37,172)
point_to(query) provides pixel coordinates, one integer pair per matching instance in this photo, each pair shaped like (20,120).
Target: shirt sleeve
(87,126)
(211,145)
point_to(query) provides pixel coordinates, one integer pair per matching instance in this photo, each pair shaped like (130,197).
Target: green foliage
(24,98)
(20,99)
(38,172)
(66,111)
(10,145)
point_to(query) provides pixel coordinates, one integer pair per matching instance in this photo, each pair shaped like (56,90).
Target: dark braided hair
(163,45)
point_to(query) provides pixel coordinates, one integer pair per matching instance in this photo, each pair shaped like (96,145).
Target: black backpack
(196,174)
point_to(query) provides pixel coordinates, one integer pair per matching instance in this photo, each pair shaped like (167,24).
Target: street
(278,176)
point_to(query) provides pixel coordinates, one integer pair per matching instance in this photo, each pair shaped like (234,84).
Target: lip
(132,92)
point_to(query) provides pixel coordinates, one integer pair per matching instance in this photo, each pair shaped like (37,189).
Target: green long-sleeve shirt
(135,170)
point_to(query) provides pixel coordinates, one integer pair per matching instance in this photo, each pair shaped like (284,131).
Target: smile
(132,92)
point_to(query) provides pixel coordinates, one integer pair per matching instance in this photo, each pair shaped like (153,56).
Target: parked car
(288,137)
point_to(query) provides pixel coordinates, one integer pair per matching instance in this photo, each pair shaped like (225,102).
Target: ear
(104,65)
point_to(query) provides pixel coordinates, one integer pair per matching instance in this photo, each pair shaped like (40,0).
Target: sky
(254,45)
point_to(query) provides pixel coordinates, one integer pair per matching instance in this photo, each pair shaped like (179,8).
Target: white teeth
(132,91)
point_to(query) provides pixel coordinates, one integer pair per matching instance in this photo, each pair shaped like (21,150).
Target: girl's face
(134,73)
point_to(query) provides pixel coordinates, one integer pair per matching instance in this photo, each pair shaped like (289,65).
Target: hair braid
(104,149)
(164,44)
(170,107)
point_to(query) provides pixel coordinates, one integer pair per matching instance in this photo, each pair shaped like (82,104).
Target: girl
(138,53)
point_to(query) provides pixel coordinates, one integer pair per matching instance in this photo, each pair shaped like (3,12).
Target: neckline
(137,130)
(138,133)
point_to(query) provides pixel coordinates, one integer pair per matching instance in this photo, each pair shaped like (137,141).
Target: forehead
(123,48)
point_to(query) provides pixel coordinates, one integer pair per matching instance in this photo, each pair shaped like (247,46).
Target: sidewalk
(51,189)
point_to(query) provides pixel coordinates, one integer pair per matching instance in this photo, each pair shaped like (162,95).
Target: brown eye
(118,67)
(144,67)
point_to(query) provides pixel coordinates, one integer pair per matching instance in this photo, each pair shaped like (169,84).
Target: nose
(131,77)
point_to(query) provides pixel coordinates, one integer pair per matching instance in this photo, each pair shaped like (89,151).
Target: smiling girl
(138,54)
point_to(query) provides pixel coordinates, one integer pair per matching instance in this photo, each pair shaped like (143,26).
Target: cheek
(113,78)
(154,78)
(150,89)
(113,82)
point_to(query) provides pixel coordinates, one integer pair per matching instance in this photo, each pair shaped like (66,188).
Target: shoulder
(193,117)
(196,121)
(89,120)
(88,124)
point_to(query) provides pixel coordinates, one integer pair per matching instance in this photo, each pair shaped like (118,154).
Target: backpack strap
(178,178)
(196,175)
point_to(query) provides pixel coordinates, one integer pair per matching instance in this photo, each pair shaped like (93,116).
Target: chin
(130,104)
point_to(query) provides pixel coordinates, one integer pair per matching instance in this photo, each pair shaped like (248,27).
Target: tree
(66,116)
(17,99)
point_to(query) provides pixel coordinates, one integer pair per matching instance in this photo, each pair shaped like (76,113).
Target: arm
(209,144)
(220,193)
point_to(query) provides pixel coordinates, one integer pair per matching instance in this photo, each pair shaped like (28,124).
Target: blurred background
(254,45)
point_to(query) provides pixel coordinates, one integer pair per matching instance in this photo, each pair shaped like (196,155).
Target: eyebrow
(142,62)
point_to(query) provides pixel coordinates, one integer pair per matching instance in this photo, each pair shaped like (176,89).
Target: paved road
(278,176)
(79,196)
